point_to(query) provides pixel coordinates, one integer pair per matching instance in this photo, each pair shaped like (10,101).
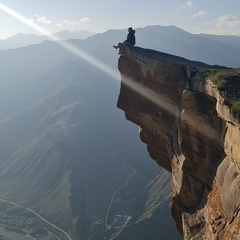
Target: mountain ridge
(47,150)
(22,40)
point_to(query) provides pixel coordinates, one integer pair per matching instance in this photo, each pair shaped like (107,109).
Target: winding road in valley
(42,218)
(124,184)
(117,190)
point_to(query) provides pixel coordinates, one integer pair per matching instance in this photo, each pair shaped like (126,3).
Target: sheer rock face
(190,132)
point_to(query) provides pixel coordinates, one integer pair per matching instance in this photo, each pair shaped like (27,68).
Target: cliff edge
(189,123)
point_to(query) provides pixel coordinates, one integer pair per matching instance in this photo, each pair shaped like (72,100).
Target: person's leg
(117,46)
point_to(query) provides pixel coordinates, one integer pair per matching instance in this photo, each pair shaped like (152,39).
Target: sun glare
(21,18)
(76,51)
(147,93)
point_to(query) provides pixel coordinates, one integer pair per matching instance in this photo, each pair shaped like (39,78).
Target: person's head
(130,29)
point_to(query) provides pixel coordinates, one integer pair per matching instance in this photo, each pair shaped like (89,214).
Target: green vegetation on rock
(228,83)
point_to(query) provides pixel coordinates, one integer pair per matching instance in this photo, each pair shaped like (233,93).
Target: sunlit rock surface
(191,133)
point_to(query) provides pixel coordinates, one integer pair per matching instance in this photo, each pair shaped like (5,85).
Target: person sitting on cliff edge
(130,41)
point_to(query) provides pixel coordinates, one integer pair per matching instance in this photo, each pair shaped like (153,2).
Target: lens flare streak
(147,93)
(76,51)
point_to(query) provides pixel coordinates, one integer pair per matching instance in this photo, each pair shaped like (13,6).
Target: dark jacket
(131,38)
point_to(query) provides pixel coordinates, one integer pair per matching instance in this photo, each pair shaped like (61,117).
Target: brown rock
(191,133)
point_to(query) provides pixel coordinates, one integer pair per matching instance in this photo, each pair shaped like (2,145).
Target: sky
(195,16)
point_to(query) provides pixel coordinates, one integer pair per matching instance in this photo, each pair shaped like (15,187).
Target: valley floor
(22,223)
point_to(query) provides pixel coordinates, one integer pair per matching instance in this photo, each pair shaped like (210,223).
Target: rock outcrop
(190,132)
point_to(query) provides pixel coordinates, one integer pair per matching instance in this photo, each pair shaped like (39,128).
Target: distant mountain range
(22,40)
(67,151)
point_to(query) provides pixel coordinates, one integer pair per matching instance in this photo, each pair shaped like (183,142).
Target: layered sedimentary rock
(190,132)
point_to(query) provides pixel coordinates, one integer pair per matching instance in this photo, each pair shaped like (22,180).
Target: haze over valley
(67,151)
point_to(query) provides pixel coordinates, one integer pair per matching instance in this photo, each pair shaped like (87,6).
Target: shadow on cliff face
(144,98)
(201,138)
(201,144)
